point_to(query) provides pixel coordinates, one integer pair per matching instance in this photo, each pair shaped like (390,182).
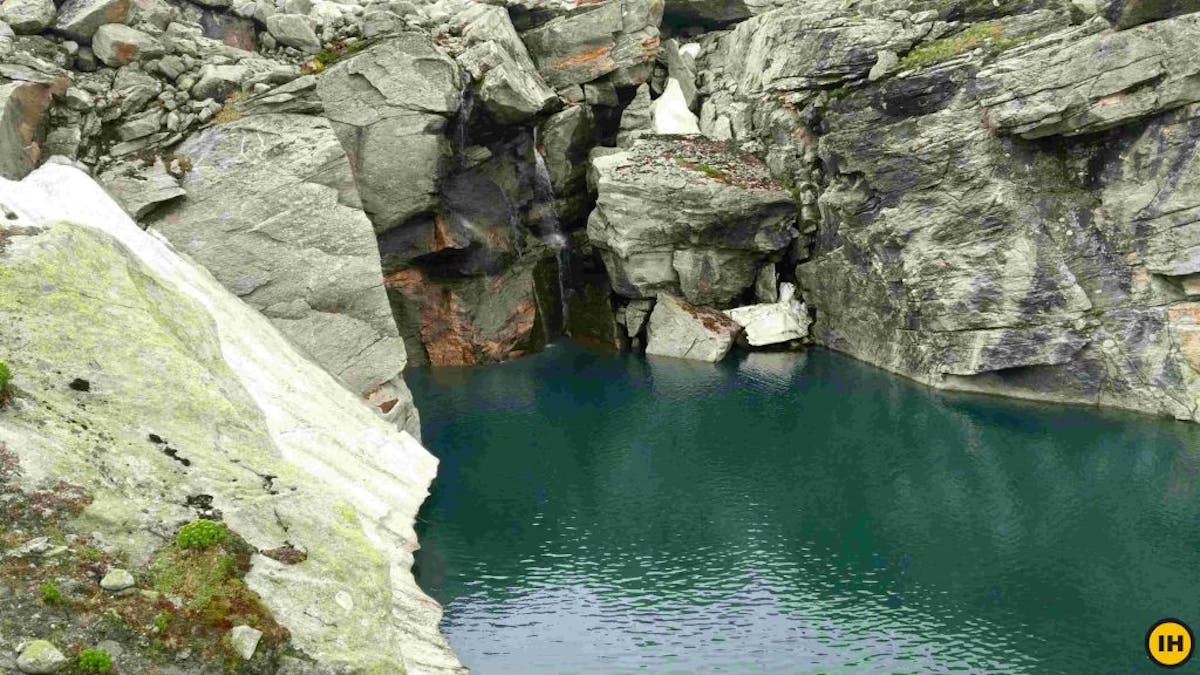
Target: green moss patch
(201,533)
(5,380)
(331,54)
(990,34)
(94,661)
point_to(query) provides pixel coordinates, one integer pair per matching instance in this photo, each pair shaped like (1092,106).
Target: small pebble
(245,640)
(117,580)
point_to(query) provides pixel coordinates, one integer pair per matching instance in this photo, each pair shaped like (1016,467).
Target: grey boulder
(23,107)
(28,17)
(174,352)
(117,580)
(244,640)
(39,657)
(117,45)
(139,191)
(682,330)
(502,74)
(294,30)
(616,36)
(218,82)
(79,19)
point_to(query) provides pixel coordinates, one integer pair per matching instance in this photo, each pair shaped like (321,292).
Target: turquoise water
(795,513)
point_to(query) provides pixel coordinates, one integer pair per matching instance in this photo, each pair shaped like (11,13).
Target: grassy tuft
(215,598)
(50,593)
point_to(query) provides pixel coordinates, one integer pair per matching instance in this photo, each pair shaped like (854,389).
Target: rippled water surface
(784,513)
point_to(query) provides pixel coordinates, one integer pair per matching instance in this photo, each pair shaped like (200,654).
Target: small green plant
(838,94)
(91,553)
(5,377)
(94,661)
(201,533)
(162,621)
(50,593)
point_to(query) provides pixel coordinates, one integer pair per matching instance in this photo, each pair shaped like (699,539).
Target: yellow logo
(1170,643)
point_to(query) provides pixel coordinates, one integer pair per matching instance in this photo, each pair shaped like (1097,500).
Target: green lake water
(795,513)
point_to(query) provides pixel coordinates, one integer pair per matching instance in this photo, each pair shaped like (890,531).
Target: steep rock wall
(1004,207)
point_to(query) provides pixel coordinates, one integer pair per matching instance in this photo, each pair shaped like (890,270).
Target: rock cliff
(1001,205)
(139,378)
(996,197)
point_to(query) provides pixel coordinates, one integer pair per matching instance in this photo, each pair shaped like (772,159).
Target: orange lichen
(597,58)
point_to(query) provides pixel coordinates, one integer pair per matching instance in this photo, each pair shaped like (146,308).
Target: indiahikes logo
(1170,643)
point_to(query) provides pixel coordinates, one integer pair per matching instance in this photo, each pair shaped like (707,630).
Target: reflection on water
(794,513)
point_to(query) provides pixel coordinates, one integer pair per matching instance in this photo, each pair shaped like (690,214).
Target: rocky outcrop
(1095,83)
(1128,13)
(389,105)
(687,218)
(272,211)
(1003,206)
(503,76)
(160,357)
(682,330)
(612,36)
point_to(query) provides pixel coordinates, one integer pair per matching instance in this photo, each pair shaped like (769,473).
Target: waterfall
(460,137)
(543,196)
(548,224)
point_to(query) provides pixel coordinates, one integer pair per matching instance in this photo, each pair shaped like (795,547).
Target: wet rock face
(468,321)
(1002,207)
(686,217)
(502,74)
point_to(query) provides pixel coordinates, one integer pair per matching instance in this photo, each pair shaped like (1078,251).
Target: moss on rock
(989,34)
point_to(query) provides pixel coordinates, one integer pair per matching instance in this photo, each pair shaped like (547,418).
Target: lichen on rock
(196,402)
